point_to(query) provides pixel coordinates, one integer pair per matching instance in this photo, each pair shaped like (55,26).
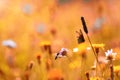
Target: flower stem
(94,52)
(88,76)
(111,70)
(93,49)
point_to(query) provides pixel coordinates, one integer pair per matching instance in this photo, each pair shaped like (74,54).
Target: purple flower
(62,53)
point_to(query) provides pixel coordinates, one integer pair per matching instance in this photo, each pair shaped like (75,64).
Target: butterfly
(80,38)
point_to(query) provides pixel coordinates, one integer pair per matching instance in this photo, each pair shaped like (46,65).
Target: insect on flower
(110,55)
(61,53)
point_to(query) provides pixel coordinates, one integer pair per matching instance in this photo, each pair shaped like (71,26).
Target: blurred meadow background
(33,31)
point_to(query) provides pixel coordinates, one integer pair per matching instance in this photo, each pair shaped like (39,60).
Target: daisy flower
(110,54)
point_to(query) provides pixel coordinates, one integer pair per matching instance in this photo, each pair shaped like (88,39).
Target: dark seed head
(84,25)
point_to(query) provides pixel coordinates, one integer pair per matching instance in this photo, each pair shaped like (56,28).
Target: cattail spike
(84,25)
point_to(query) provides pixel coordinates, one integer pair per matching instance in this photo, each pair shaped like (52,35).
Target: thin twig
(111,70)
(94,53)
(92,48)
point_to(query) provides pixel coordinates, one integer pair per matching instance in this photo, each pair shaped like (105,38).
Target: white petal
(111,51)
(106,53)
(75,49)
(10,43)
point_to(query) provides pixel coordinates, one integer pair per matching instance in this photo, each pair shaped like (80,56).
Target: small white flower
(75,49)
(88,48)
(110,54)
(9,43)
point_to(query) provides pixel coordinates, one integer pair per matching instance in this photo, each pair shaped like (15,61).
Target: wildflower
(9,43)
(81,50)
(28,70)
(97,47)
(9,52)
(62,53)
(38,58)
(110,55)
(46,45)
(30,65)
